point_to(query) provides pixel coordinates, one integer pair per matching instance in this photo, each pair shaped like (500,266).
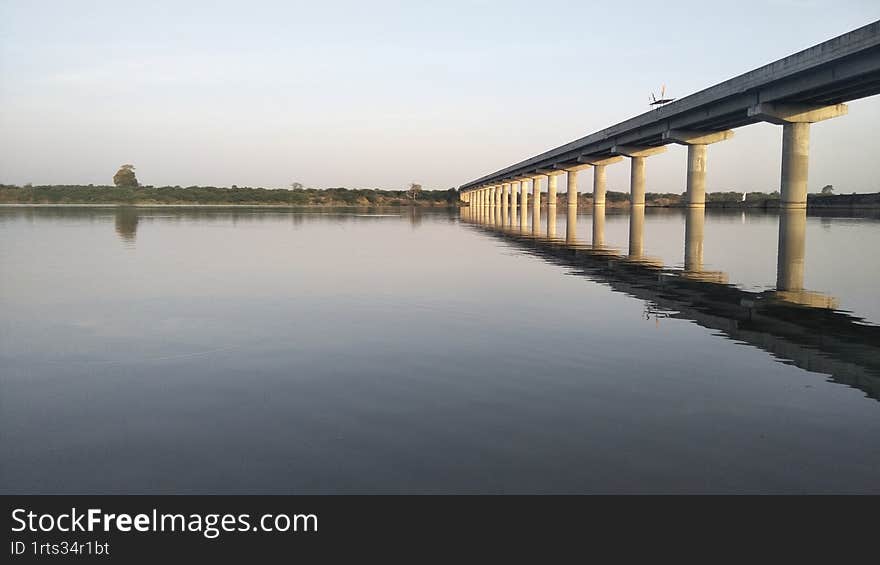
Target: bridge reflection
(793,324)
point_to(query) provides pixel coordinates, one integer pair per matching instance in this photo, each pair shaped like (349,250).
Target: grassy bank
(192,195)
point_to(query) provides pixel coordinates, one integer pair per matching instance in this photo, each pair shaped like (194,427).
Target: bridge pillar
(571,185)
(572,197)
(795,120)
(599,184)
(536,192)
(536,205)
(552,186)
(599,164)
(524,205)
(514,188)
(637,157)
(572,208)
(505,198)
(696,175)
(696,142)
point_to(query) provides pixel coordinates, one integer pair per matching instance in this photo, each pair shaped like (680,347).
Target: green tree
(827,189)
(414,190)
(124,177)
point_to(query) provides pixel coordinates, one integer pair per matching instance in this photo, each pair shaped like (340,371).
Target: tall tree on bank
(414,190)
(124,177)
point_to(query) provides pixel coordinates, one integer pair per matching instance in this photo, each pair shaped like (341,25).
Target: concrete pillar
(571,192)
(571,212)
(514,188)
(524,205)
(696,142)
(637,181)
(599,164)
(637,232)
(795,164)
(491,209)
(637,157)
(599,226)
(498,196)
(551,204)
(551,190)
(693,239)
(599,185)
(505,203)
(696,175)
(792,249)
(795,120)
(536,192)
(536,205)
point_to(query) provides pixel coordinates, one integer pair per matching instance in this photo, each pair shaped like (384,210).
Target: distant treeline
(74,194)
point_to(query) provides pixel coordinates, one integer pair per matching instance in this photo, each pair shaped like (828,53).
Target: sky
(380,94)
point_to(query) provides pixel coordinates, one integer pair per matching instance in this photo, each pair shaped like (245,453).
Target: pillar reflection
(637,232)
(792,249)
(694,269)
(599,226)
(536,206)
(571,223)
(536,220)
(693,239)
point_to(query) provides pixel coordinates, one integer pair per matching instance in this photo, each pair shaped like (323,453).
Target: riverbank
(72,195)
(221,196)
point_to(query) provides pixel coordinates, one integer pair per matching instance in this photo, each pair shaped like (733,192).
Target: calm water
(268,351)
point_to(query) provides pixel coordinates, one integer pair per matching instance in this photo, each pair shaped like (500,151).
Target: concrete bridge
(807,87)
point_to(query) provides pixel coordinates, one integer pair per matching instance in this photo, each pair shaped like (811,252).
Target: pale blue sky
(378,94)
